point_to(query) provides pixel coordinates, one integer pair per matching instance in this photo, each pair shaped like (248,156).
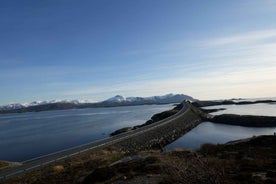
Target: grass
(243,162)
(72,170)
(4,164)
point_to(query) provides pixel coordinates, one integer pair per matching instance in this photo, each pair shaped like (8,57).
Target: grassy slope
(244,162)
(3,164)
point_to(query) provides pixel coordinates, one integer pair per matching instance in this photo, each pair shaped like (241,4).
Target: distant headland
(115,101)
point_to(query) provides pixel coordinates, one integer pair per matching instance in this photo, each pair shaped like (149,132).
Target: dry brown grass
(193,170)
(216,164)
(72,170)
(58,168)
(3,164)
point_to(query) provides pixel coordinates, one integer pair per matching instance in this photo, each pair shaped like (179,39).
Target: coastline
(156,139)
(226,163)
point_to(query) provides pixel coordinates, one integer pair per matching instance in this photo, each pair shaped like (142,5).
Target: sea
(25,136)
(212,133)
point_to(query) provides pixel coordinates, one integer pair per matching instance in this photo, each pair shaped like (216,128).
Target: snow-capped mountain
(169,98)
(14,106)
(117,100)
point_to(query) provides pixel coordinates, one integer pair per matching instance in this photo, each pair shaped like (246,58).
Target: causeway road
(42,161)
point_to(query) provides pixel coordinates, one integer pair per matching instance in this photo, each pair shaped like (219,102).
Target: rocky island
(234,119)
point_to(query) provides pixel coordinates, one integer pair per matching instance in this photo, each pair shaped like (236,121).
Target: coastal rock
(245,120)
(122,130)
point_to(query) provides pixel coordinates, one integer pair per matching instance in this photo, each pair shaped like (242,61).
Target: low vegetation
(72,170)
(252,161)
(3,164)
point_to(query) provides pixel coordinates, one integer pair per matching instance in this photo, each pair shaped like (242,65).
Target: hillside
(244,161)
(118,100)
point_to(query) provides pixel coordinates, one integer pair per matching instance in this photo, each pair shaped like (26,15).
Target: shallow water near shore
(208,132)
(261,109)
(28,135)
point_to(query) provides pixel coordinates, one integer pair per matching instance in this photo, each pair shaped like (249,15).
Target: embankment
(154,119)
(163,135)
(160,136)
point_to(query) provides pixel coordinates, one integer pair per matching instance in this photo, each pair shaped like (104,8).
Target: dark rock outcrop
(245,120)
(163,115)
(126,170)
(228,102)
(122,130)
(212,110)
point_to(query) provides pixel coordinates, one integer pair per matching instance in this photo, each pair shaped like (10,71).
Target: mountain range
(117,100)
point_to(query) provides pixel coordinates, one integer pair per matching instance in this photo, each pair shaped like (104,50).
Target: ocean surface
(25,136)
(261,109)
(208,132)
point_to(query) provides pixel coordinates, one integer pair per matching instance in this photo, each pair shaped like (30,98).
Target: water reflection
(208,132)
(27,135)
(262,109)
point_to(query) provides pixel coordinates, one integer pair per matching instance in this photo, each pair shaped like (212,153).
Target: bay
(28,135)
(260,109)
(213,133)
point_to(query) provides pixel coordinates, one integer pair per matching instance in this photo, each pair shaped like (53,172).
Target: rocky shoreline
(155,118)
(226,163)
(161,136)
(229,102)
(235,159)
(244,120)
(234,119)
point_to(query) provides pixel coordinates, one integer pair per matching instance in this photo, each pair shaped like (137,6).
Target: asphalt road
(61,155)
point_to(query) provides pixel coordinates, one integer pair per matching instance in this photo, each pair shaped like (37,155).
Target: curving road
(61,155)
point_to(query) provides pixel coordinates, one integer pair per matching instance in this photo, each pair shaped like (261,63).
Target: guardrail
(112,140)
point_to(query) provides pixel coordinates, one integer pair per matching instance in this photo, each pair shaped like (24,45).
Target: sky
(96,49)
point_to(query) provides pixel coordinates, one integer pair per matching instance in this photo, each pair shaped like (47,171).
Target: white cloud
(242,65)
(243,38)
(245,65)
(245,82)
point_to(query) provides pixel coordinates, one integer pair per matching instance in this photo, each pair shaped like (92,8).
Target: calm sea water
(28,135)
(208,132)
(261,109)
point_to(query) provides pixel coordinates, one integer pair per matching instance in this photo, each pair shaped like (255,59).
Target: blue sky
(95,49)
